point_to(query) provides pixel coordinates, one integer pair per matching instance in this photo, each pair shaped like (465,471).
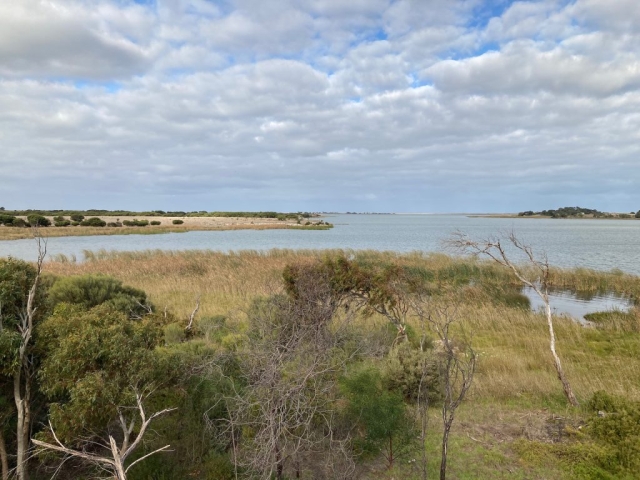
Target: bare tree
(457,366)
(495,250)
(287,402)
(115,461)
(25,372)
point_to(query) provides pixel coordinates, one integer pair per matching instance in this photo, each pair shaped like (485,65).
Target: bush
(59,218)
(62,223)
(75,224)
(37,220)
(18,222)
(93,222)
(177,222)
(92,290)
(77,217)
(135,223)
(7,219)
(114,224)
(155,222)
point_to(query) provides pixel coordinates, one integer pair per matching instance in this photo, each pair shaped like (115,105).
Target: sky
(320,105)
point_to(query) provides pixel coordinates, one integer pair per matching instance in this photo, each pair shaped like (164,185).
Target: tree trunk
(22,429)
(566,387)
(279,466)
(3,458)
(445,444)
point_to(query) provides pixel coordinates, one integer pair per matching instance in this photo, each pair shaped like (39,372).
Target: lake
(597,244)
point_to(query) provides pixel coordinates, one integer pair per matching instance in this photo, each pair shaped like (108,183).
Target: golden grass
(515,363)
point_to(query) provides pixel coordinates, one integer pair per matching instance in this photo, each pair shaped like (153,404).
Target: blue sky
(323,105)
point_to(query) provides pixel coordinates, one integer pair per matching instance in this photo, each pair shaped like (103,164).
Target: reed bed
(513,342)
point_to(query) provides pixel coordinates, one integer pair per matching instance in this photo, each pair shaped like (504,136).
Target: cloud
(319,104)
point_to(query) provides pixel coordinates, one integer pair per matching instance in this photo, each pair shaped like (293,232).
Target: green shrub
(19,222)
(615,422)
(135,223)
(114,224)
(37,220)
(177,222)
(62,223)
(75,224)
(93,222)
(7,220)
(155,222)
(408,368)
(58,218)
(92,290)
(76,217)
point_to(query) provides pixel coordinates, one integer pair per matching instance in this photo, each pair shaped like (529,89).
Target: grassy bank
(515,424)
(12,233)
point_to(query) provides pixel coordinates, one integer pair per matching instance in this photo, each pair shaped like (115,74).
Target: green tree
(37,220)
(22,307)
(380,414)
(99,367)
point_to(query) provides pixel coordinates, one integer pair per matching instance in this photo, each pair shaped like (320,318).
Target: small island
(564,212)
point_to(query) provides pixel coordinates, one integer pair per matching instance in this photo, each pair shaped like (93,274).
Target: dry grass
(515,361)
(12,233)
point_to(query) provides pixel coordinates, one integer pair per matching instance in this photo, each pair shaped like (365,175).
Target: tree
(495,250)
(457,363)
(380,414)
(116,462)
(22,307)
(283,411)
(37,220)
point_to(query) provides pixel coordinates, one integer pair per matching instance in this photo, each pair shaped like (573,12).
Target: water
(597,244)
(577,306)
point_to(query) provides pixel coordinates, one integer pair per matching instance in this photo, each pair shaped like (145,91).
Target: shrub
(19,222)
(37,220)
(75,224)
(59,218)
(77,217)
(177,222)
(155,222)
(93,222)
(7,219)
(135,223)
(62,223)
(92,290)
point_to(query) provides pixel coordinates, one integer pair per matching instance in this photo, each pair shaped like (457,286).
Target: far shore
(515,215)
(166,226)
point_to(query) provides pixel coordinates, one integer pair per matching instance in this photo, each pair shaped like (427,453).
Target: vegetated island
(567,212)
(14,224)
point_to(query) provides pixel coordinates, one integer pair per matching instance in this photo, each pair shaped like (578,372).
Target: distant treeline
(154,213)
(569,212)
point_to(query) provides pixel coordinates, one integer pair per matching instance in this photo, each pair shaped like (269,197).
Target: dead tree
(457,365)
(287,401)
(25,371)
(494,249)
(115,461)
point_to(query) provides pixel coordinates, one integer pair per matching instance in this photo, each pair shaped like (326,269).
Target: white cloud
(317,104)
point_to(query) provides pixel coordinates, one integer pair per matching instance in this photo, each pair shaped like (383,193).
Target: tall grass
(515,363)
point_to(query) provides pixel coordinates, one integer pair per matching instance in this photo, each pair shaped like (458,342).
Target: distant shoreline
(189,224)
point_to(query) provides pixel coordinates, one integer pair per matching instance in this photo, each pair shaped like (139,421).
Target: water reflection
(577,305)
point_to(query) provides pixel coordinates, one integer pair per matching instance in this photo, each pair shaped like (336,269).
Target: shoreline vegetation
(565,212)
(515,422)
(57,223)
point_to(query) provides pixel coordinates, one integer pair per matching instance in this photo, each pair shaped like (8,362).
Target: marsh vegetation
(316,364)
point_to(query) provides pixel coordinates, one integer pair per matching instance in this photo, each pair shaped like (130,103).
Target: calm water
(598,244)
(571,305)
